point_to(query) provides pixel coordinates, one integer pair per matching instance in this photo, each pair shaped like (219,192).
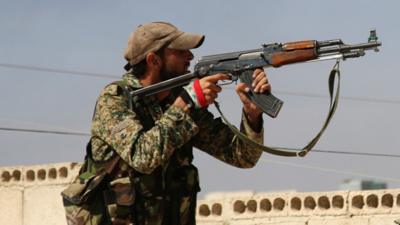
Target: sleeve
(217,139)
(122,129)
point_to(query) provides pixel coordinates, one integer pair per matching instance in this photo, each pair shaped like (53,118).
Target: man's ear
(153,59)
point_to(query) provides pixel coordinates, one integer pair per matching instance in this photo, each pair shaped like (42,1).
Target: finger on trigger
(216,77)
(215,88)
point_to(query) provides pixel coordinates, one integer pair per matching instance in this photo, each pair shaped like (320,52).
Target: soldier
(154,181)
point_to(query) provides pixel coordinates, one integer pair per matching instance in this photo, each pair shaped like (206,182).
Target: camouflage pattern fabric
(115,124)
(83,200)
(159,148)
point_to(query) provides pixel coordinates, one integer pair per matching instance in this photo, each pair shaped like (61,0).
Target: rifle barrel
(348,48)
(164,85)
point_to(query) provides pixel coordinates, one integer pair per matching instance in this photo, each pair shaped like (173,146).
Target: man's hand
(201,93)
(210,88)
(260,85)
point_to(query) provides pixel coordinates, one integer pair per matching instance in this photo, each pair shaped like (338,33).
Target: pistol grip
(267,102)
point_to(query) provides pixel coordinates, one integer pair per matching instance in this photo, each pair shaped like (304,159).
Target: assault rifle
(241,64)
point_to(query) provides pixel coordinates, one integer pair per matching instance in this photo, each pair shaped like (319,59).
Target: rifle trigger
(234,78)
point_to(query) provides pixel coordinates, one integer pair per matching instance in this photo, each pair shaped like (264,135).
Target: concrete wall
(378,207)
(30,195)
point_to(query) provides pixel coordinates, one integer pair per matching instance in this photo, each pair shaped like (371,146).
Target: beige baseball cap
(153,36)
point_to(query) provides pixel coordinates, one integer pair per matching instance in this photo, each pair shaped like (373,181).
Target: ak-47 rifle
(241,64)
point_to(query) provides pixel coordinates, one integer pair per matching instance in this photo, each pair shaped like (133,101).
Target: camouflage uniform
(157,143)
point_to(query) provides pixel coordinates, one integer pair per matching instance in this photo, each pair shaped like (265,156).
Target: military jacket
(148,144)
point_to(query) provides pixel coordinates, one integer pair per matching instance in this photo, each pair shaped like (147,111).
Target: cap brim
(187,41)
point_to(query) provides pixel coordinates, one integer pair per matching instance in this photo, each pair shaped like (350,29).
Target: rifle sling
(335,72)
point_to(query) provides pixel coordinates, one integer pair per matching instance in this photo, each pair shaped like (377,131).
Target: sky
(90,36)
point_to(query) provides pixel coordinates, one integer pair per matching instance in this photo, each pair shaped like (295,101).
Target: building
(30,195)
(355,184)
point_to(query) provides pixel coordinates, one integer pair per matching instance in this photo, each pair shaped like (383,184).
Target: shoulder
(113,89)
(112,95)
(116,88)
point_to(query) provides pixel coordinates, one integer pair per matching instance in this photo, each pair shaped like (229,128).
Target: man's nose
(189,54)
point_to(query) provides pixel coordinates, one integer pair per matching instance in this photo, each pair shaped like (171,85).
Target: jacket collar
(132,80)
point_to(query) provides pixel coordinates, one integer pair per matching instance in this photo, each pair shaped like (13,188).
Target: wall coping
(222,206)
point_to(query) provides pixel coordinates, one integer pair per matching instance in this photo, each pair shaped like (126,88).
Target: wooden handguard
(288,57)
(297,45)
